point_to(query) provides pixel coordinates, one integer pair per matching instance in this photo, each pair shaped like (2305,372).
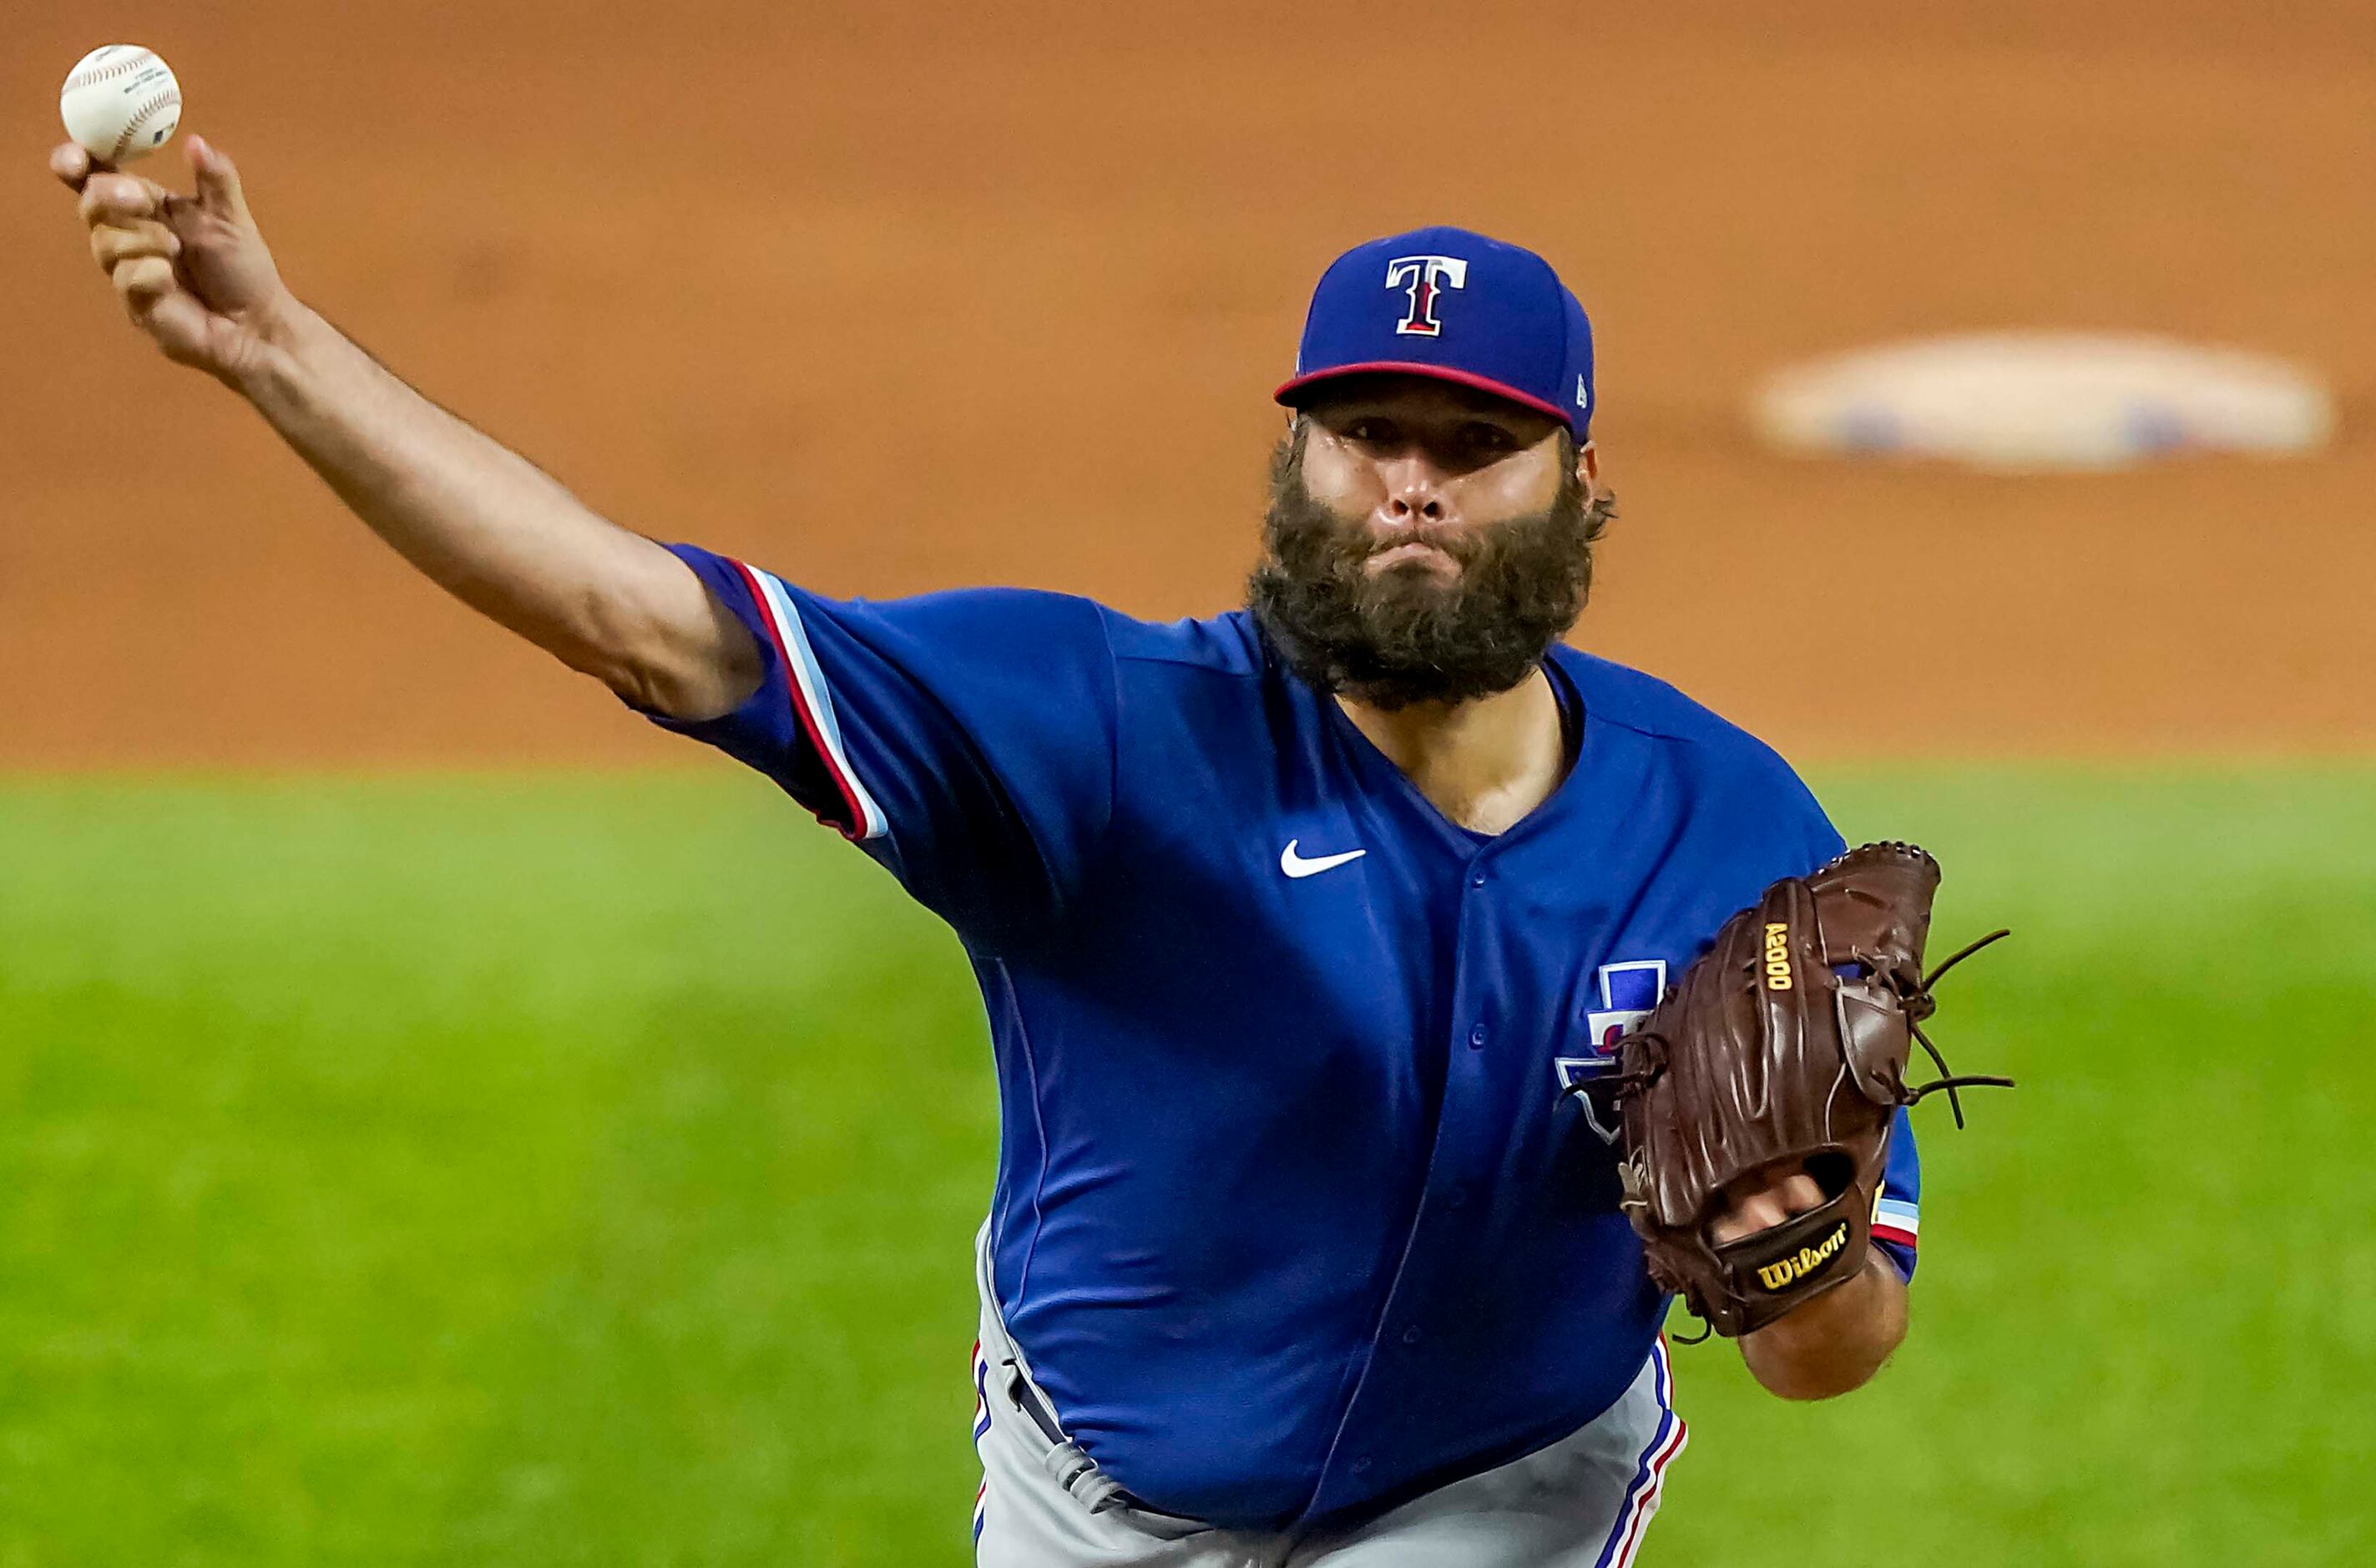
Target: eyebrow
(1466,401)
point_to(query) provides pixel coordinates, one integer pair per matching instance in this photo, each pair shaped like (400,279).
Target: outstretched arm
(481,521)
(1835,1342)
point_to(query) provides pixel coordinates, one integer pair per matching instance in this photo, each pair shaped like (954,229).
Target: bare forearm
(495,530)
(1835,1342)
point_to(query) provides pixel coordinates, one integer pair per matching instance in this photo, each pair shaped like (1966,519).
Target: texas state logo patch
(1627,991)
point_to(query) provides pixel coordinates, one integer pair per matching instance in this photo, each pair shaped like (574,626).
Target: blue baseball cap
(1455,306)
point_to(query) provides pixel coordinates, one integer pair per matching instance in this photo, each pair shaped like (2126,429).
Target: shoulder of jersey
(1004,612)
(1619,693)
(1225,644)
(1035,623)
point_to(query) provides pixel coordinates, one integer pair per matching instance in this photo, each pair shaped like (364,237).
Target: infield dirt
(898,298)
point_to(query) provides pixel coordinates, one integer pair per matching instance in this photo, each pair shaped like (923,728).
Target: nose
(1414,490)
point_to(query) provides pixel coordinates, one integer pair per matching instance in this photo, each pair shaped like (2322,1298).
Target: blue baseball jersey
(1291,1215)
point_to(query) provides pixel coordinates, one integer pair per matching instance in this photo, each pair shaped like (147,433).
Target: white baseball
(120,102)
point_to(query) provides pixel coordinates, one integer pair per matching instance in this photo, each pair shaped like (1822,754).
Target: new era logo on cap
(1456,306)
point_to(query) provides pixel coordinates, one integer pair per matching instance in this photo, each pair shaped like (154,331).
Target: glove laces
(1919,1006)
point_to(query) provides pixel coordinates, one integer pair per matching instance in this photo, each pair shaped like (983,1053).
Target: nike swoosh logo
(1295,865)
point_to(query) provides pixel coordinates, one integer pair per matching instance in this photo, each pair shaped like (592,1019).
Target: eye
(1483,437)
(1370,429)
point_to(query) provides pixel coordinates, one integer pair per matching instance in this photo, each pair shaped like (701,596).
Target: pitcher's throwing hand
(192,270)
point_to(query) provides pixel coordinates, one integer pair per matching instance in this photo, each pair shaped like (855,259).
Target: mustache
(1307,538)
(1460,544)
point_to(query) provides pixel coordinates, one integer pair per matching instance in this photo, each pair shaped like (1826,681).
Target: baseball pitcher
(1309,933)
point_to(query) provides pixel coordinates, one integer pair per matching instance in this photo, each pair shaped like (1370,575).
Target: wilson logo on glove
(1805,1261)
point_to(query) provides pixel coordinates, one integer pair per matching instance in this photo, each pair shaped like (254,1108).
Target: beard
(1407,635)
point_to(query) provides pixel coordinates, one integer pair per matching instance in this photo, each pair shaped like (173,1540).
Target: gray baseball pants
(1584,1502)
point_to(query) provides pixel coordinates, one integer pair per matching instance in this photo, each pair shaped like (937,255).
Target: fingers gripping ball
(120,102)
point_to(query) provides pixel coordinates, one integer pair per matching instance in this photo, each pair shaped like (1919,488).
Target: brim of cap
(1290,392)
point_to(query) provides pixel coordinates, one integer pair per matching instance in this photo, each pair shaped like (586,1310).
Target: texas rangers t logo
(1629,990)
(1419,277)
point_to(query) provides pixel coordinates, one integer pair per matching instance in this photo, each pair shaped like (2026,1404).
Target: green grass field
(505,1172)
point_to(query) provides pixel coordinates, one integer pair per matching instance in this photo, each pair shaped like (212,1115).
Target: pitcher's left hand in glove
(1779,1059)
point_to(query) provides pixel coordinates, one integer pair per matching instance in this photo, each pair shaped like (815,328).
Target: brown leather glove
(1783,1046)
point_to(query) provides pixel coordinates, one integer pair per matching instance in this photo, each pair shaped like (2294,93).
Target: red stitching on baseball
(139,57)
(139,119)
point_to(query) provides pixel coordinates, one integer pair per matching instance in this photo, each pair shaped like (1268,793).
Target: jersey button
(1455,1197)
(1477,1037)
(1410,1335)
(1476,879)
